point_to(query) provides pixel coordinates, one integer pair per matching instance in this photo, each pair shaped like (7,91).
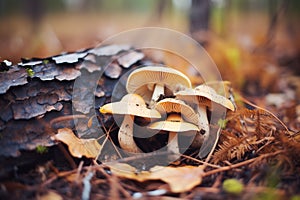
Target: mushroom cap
(170,105)
(221,87)
(142,81)
(130,104)
(173,123)
(203,95)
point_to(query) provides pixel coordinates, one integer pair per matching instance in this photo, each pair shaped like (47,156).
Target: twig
(67,156)
(66,118)
(107,132)
(140,156)
(269,141)
(200,161)
(246,162)
(218,181)
(260,108)
(87,186)
(212,150)
(114,183)
(79,170)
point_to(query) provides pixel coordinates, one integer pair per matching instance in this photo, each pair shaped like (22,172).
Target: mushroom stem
(203,121)
(125,135)
(158,90)
(173,143)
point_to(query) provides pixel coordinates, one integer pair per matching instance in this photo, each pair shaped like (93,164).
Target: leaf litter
(89,148)
(253,143)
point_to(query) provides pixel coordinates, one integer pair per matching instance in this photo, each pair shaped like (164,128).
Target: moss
(30,72)
(41,149)
(233,186)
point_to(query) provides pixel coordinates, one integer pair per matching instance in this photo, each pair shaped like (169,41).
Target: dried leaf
(50,195)
(89,148)
(180,179)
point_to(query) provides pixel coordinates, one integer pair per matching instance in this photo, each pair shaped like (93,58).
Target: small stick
(200,161)
(66,118)
(246,162)
(86,192)
(212,150)
(260,108)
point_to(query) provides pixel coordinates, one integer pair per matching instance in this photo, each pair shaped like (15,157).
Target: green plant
(41,149)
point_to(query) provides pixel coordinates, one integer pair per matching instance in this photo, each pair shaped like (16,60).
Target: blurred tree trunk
(35,11)
(199,17)
(160,8)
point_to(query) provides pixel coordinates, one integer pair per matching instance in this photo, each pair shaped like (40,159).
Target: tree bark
(38,96)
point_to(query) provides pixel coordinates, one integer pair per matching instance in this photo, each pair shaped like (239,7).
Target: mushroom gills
(174,124)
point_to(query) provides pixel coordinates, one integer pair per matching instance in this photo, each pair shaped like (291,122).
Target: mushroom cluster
(165,96)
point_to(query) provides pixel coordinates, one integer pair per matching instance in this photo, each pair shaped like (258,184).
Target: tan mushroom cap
(141,81)
(130,104)
(173,123)
(221,87)
(203,95)
(170,105)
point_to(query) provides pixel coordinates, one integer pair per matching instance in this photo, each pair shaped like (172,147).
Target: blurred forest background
(249,40)
(41,28)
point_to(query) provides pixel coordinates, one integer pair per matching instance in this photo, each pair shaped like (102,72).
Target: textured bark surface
(38,91)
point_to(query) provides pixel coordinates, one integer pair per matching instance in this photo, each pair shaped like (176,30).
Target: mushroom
(203,96)
(174,124)
(130,105)
(181,118)
(153,81)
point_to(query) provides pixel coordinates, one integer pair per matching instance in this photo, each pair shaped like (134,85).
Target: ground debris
(13,77)
(256,148)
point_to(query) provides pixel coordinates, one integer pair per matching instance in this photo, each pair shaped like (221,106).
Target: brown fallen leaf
(89,148)
(180,179)
(50,195)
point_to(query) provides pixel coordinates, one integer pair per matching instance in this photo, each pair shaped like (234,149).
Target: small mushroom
(153,81)
(174,124)
(181,118)
(204,96)
(130,105)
